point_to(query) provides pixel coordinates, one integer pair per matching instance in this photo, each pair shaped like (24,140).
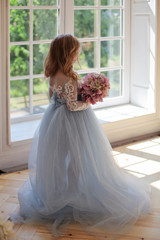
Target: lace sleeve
(71,98)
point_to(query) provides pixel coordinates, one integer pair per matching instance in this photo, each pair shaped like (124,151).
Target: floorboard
(141,159)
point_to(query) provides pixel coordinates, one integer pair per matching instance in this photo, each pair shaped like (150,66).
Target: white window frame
(30,43)
(67,26)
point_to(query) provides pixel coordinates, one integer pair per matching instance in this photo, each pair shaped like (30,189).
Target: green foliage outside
(110,53)
(40,94)
(84,23)
(19,60)
(111,2)
(94,2)
(87,57)
(39,54)
(116,86)
(44,2)
(19,25)
(45,28)
(19,2)
(44,24)
(35,2)
(20,91)
(85,2)
(39,86)
(110,23)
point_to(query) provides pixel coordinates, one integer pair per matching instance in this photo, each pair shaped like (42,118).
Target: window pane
(84,23)
(110,22)
(19,60)
(40,95)
(87,57)
(19,2)
(110,53)
(45,2)
(85,2)
(111,2)
(19,25)
(19,98)
(82,75)
(39,54)
(115,82)
(44,24)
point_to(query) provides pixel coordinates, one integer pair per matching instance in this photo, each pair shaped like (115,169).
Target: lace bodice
(69,92)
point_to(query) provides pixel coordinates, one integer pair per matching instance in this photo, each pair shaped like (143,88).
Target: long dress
(73,176)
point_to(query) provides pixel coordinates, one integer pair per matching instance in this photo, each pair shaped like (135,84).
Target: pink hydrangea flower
(94,88)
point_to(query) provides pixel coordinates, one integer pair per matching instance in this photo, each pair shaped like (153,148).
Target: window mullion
(126,51)
(34,7)
(69,17)
(62,16)
(31,59)
(99,35)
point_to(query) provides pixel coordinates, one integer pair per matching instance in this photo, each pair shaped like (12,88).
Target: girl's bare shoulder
(58,78)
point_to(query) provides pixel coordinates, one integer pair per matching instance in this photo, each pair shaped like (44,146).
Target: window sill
(25,130)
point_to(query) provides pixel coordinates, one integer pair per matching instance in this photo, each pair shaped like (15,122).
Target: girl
(73,175)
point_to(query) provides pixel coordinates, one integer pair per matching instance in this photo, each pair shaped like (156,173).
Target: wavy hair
(64,50)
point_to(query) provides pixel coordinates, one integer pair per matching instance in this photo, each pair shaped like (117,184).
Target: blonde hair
(64,49)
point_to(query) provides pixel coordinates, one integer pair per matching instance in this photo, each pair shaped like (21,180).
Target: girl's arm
(49,87)
(71,97)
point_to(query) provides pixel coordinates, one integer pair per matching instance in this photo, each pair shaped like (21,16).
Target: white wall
(143,33)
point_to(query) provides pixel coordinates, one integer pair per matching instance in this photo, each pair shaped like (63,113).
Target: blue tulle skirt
(73,177)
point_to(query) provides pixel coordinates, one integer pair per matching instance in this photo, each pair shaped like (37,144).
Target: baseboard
(15,169)
(134,139)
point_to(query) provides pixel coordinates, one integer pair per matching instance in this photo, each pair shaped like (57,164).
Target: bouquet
(94,88)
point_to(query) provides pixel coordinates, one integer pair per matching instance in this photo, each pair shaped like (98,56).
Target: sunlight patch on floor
(139,175)
(152,150)
(148,167)
(156,184)
(156,139)
(115,153)
(140,146)
(125,160)
(140,158)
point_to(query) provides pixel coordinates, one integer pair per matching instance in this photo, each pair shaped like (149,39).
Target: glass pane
(40,95)
(110,22)
(85,2)
(115,82)
(39,54)
(87,57)
(85,23)
(44,24)
(110,53)
(19,60)
(45,2)
(19,2)
(82,75)
(19,25)
(19,98)
(111,2)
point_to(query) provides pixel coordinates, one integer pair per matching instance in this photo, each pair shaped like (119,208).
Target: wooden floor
(141,159)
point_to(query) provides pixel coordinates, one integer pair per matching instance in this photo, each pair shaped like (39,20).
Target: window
(29,43)
(99,26)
